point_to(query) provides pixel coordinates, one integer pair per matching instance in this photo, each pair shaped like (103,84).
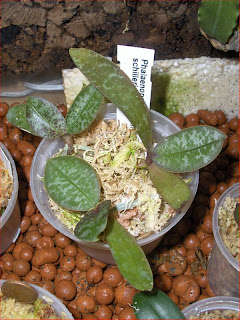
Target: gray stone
(60,14)
(77,28)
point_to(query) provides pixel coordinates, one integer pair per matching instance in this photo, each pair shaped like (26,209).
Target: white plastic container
(162,126)
(210,304)
(60,309)
(223,268)
(11,218)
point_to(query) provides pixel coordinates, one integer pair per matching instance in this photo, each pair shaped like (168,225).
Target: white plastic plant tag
(137,64)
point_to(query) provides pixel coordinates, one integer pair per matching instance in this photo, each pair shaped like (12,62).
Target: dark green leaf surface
(84,109)
(72,183)
(129,256)
(236,213)
(189,149)
(170,186)
(16,115)
(114,84)
(45,118)
(155,305)
(218,18)
(93,223)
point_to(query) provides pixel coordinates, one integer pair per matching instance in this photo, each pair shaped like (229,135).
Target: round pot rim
(216,232)
(11,204)
(141,242)
(212,303)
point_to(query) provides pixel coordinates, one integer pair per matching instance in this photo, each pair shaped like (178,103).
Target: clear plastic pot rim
(4,218)
(170,125)
(213,303)
(232,191)
(59,307)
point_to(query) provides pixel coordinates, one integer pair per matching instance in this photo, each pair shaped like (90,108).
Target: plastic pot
(162,127)
(210,304)
(11,219)
(223,268)
(60,309)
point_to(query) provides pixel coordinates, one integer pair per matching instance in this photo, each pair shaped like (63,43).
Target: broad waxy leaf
(93,223)
(155,305)
(72,183)
(114,84)
(170,186)
(128,255)
(189,149)
(16,115)
(218,18)
(45,118)
(84,109)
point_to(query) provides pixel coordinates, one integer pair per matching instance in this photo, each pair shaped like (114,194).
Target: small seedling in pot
(73,184)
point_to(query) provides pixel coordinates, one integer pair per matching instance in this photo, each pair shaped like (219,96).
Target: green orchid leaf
(236,214)
(93,223)
(189,149)
(115,85)
(218,18)
(170,186)
(155,305)
(84,109)
(45,118)
(128,255)
(16,115)
(72,183)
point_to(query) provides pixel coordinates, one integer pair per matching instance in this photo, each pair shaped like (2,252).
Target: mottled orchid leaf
(45,118)
(128,255)
(170,186)
(93,223)
(236,214)
(72,183)
(115,85)
(84,109)
(218,18)
(16,115)
(189,149)
(155,305)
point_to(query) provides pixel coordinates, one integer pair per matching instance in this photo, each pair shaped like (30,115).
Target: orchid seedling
(73,183)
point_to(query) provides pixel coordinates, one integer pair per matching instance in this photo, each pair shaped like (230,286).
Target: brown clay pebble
(192,117)
(186,287)
(104,294)
(47,285)
(36,218)
(3,109)
(178,119)
(174,297)
(207,245)
(99,263)
(104,312)
(206,224)
(83,262)
(163,282)
(221,117)
(61,240)
(48,271)
(65,290)
(94,274)
(201,278)
(8,261)
(26,254)
(15,135)
(63,275)
(176,264)
(29,208)
(221,187)
(48,230)
(18,248)
(44,242)
(234,124)
(3,131)
(43,256)
(26,148)
(86,303)
(124,294)
(112,276)
(11,276)
(89,316)
(70,250)
(127,313)
(191,241)
(68,263)
(33,276)
(25,224)
(32,237)
(21,267)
